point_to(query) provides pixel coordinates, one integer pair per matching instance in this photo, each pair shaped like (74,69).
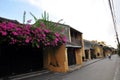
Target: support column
(61,56)
(89,56)
(78,53)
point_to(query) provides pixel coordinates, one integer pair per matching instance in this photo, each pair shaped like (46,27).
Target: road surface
(105,69)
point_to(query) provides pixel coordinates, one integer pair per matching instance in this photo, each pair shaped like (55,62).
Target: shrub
(41,34)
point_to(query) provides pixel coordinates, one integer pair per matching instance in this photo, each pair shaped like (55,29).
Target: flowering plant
(36,35)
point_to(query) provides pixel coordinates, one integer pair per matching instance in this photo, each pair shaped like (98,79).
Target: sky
(91,17)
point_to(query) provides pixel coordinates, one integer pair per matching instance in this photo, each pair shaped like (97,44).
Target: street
(105,69)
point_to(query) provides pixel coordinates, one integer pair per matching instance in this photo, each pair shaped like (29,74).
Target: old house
(70,53)
(16,60)
(107,50)
(75,47)
(98,50)
(89,50)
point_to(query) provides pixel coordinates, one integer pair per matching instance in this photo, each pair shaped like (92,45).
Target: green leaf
(33,16)
(24,15)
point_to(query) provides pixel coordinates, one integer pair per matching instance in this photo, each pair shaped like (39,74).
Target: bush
(43,33)
(118,51)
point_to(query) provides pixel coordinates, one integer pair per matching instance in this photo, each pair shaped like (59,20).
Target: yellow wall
(98,50)
(82,48)
(78,53)
(61,57)
(107,52)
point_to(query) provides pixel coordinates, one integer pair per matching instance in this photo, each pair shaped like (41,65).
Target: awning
(73,46)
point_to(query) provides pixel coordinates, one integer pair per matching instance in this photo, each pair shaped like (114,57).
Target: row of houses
(74,52)
(77,50)
(94,49)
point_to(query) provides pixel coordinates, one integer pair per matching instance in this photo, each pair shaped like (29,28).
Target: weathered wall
(98,50)
(78,53)
(61,58)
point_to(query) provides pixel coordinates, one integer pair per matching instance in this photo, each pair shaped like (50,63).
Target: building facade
(16,60)
(68,54)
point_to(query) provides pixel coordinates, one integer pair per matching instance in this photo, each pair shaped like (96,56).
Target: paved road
(105,69)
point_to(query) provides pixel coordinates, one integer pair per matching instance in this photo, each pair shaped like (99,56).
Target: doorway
(18,60)
(71,56)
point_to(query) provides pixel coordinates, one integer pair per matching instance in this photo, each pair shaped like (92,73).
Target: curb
(26,75)
(81,66)
(40,73)
(92,62)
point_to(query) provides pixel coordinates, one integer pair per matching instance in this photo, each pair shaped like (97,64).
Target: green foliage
(45,16)
(33,16)
(24,15)
(52,26)
(107,48)
(118,51)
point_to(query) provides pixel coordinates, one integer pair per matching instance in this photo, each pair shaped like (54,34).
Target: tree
(118,51)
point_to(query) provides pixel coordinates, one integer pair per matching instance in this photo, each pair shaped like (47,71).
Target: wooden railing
(76,42)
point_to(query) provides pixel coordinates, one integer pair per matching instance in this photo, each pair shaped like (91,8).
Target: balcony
(74,43)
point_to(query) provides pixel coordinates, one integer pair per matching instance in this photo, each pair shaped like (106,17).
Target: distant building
(89,50)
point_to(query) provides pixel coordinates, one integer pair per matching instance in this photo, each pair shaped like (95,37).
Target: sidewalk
(90,62)
(45,74)
(76,67)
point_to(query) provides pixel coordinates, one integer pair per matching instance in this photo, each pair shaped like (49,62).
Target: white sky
(91,17)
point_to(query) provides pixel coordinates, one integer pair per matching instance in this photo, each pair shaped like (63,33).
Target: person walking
(109,56)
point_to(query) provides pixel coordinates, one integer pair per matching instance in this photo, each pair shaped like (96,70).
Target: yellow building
(107,50)
(25,59)
(98,50)
(89,51)
(68,54)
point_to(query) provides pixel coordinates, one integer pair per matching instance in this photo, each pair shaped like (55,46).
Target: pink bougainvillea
(36,36)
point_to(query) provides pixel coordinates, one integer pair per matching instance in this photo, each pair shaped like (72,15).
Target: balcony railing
(75,42)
